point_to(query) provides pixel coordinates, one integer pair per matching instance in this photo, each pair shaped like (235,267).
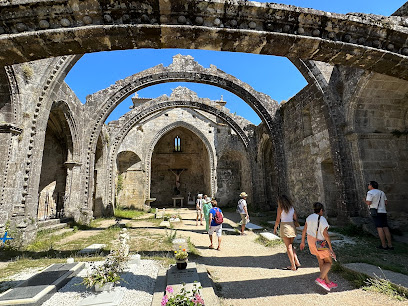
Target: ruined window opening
(177,144)
(307,123)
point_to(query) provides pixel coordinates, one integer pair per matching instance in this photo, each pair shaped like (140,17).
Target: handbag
(373,211)
(321,245)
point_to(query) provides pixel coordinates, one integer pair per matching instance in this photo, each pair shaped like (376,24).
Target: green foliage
(119,185)
(183,298)
(269,243)
(171,235)
(384,286)
(128,213)
(350,230)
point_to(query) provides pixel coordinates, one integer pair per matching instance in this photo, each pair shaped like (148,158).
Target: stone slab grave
(92,249)
(270,236)
(106,298)
(253,227)
(228,229)
(39,288)
(175,278)
(398,279)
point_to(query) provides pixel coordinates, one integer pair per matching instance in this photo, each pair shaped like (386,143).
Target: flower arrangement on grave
(181,254)
(184,297)
(114,264)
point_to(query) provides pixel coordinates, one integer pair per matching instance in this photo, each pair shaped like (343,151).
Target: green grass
(128,213)
(269,243)
(384,286)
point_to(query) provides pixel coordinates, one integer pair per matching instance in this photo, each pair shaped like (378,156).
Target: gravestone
(39,288)
(93,248)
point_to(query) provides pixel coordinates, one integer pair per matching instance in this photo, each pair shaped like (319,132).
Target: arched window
(177,145)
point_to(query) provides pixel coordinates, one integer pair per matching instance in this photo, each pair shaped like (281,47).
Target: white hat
(243,194)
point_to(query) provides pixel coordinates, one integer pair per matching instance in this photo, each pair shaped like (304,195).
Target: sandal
(218,249)
(211,247)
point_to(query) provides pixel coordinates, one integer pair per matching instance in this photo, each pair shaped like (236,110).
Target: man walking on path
(377,200)
(214,226)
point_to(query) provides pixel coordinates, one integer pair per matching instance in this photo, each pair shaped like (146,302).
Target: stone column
(72,190)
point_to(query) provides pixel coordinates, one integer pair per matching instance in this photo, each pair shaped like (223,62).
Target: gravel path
(244,272)
(247,273)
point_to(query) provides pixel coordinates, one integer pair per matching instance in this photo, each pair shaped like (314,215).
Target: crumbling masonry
(59,158)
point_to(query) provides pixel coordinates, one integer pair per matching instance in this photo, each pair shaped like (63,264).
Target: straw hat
(243,194)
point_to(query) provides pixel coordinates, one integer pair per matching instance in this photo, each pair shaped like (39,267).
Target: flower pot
(181,264)
(104,287)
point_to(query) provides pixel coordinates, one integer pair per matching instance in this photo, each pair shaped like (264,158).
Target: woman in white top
(286,216)
(316,228)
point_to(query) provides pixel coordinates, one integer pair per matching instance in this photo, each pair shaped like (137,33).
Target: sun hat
(243,194)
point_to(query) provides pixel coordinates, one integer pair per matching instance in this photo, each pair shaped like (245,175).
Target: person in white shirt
(242,209)
(316,227)
(378,200)
(199,209)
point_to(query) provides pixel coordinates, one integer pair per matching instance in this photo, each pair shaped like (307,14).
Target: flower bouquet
(181,256)
(184,297)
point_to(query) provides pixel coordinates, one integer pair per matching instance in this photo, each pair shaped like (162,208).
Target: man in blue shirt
(214,226)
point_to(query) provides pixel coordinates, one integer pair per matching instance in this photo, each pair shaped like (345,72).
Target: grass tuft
(384,286)
(269,243)
(128,213)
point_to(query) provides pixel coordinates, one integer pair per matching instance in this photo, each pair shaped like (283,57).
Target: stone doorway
(53,170)
(180,165)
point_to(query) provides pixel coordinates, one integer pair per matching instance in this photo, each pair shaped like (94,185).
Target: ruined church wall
(307,146)
(140,140)
(379,108)
(223,142)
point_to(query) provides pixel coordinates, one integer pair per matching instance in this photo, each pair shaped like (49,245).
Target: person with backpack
(216,220)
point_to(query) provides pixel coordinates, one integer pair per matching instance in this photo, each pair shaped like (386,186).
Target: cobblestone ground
(248,273)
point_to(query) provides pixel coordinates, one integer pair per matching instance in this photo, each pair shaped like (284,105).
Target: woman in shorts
(286,215)
(316,227)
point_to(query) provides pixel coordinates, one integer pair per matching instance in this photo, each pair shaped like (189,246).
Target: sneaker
(331,285)
(322,284)
(380,247)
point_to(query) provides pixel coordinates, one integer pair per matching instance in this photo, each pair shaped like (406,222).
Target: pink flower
(164,301)
(169,289)
(197,299)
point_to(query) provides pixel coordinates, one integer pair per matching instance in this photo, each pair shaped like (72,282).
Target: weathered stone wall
(376,125)
(307,147)
(146,141)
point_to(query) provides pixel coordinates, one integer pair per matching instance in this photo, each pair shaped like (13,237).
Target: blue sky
(272,75)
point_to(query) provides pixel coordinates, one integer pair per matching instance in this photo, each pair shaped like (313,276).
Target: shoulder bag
(373,211)
(321,245)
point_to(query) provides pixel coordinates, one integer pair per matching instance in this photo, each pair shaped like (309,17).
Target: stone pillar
(72,190)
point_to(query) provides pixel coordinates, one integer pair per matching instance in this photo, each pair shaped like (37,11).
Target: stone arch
(157,105)
(319,75)
(366,41)
(57,150)
(200,135)
(183,68)
(265,158)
